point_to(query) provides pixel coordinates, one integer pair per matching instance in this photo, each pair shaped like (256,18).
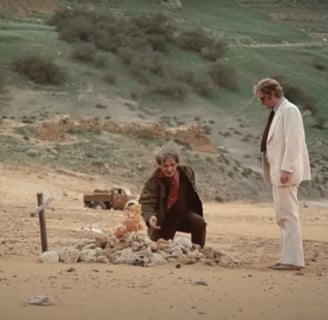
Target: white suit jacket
(286,147)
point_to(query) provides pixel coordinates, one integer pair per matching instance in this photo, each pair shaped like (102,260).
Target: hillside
(27,7)
(102,120)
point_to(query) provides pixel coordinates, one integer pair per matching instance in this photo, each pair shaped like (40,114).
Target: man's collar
(280,101)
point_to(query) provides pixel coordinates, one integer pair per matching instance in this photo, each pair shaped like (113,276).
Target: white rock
(88,255)
(69,255)
(49,257)
(183,242)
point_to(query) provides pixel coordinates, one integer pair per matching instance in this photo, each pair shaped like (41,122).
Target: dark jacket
(154,196)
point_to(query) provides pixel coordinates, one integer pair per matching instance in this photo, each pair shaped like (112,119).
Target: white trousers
(287,215)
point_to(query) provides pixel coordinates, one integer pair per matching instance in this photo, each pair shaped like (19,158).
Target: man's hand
(152,221)
(284,176)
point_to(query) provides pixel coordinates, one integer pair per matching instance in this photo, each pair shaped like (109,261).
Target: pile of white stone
(137,249)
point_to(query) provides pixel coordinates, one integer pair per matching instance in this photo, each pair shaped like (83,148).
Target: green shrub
(60,17)
(320,122)
(100,106)
(25,131)
(150,61)
(224,76)
(158,42)
(109,32)
(79,28)
(144,61)
(140,74)
(136,42)
(100,61)
(141,42)
(207,129)
(204,87)
(193,40)
(126,54)
(187,76)
(319,66)
(154,24)
(199,41)
(39,69)
(297,96)
(218,199)
(172,90)
(109,78)
(104,41)
(85,52)
(306,102)
(216,50)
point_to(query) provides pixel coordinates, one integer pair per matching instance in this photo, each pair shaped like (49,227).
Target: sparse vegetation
(204,87)
(109,78)
(39,69)
(197,64)
(199,41)
(84,52)
(306,102)
(224,76)
(171,90)
(142,43)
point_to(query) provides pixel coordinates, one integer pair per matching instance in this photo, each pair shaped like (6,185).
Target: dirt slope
(107,291)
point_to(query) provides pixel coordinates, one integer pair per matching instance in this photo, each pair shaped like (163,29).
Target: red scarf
(174,190)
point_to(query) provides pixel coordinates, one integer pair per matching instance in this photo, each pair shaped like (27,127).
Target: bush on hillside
(78,27)
(156,28)
(158,42)
(320,123)
(169,89)
(306,102)
(59,17)
(100,61)
(150,61)
(144,61)
(84,52)
(155,24)
(187,77)
(126,54)
(141,43)
(110,78)
(319,66)
(224,76)
(204,87)
(297,96)
(110,32)
(215,50)
(39,69)
(193,40)
(199,41)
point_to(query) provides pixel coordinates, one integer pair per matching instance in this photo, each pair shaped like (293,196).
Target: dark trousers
(190,223)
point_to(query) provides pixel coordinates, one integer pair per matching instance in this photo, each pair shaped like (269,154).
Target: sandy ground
(80,291)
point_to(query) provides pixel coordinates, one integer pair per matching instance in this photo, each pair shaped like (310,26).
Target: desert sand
(244,231)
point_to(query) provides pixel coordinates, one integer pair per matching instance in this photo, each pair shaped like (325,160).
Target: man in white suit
(286,164)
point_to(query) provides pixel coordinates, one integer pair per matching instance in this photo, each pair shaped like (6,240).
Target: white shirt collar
(280,101)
